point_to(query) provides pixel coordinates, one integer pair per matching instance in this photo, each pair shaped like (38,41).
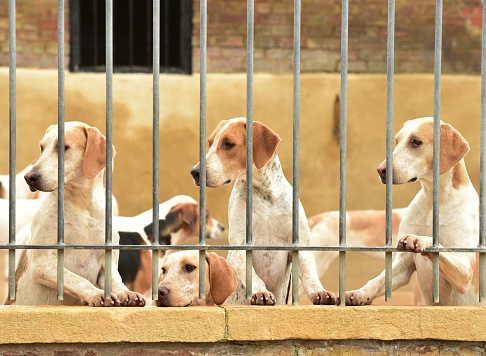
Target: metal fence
(248,247)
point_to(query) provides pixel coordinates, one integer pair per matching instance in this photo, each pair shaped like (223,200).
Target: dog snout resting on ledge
(272,214)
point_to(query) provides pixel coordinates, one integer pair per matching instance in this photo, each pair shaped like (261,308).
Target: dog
(272,214)
(177,227)
(179,280)
(84,214)
(458,219)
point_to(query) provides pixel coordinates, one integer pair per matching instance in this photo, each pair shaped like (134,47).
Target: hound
(458,218)
(179,280)
(272,214)
(84,214)
(22,190)
(177,227)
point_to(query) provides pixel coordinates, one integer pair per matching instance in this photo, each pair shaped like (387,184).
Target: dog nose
(195,174)
(382,170)
(163,291)
(31,177)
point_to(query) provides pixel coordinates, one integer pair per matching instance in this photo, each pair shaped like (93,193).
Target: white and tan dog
(272,214)
(458,218)
(22,190)
(179,280)
(84,215)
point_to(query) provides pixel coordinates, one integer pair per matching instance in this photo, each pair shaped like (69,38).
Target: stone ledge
(62,325)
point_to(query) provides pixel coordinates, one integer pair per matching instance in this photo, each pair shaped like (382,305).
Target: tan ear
(95,152)
(190,215)
(265,142)
(453,147)
(222,278)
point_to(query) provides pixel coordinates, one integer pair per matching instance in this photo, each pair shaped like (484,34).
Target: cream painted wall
(226,98)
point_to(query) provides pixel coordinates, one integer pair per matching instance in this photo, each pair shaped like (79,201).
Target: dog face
(413,154)
(226,156)
(84,157)
(185,216)
(179,280)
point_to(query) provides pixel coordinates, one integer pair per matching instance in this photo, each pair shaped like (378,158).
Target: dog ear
(222,278)
(95,152)
(190,215)
(265,142)
(453,147)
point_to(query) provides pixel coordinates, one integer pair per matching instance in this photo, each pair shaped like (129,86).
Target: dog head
(226,156)
(84,157)
(413,154)
(185,217)
(179,280)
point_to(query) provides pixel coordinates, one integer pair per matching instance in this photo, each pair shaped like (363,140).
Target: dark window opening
(132,36)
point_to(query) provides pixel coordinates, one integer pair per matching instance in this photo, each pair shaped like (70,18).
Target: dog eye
(415,143)
(227,145)
(163,270)
(42,148)
(190,268)
(66,148)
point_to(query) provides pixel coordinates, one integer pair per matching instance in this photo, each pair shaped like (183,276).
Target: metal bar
(343,141)
(130,33)
(12,76)
(390,69)
(482,165)
(109,148)
(236,247)
(436,160)
(295,160)
(202,146)
(249,143)
(155,145)
(60,148)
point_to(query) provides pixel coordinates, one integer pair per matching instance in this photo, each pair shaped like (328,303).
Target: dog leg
(260,294)
(455,267)
(310,281)
(402,270)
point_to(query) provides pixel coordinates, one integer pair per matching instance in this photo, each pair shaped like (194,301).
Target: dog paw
(356,298)
(131,299)
(323,298)
(99,300)
(263,298)
(411,243)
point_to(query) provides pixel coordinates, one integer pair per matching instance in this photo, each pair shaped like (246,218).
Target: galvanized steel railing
(248,247)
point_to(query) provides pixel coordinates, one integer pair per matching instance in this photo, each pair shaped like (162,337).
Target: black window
(132,35)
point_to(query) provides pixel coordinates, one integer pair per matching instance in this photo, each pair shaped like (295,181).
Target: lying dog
(176,228)
(84,215)
(179,280)
(272,214)
(458,220)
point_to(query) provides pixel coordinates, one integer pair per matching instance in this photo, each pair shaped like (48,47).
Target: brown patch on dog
(475,278)
(21,268)
(459,175)
(95,152)
(222,278)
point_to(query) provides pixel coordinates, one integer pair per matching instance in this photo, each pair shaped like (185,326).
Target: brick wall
(320,35)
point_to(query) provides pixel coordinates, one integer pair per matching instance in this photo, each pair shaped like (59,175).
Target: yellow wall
(226,98)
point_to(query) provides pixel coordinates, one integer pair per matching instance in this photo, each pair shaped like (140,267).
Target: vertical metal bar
(249,142)
(12,144)
(389,142)
(202,147)
(295,165)
(95,32)
(343,142)
(109,148)
(436,160)
(155,145)
(60,148)
(482,165)
(130,32)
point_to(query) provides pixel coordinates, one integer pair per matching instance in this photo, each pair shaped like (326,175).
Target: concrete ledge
(62,325)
